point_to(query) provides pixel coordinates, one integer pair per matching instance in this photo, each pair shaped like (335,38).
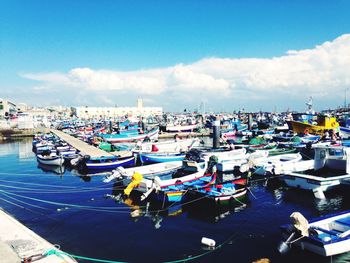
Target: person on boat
(230,145)
(333,136)
(140,131)
(325,136)
(176,137)
(147,139)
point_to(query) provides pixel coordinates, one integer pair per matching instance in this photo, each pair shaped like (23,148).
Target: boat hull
(309,182)
(105,166)
(58,160)
(160,158)
(328,236)
(122,138)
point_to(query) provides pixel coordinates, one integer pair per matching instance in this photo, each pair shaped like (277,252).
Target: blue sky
(55,52)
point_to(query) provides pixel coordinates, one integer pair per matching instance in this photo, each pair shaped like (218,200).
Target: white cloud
(320,71)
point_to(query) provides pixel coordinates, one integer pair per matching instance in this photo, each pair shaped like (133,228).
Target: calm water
(77,213)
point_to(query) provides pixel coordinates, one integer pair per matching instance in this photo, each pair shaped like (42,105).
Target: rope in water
(59,253)
(43,191)
(96,208)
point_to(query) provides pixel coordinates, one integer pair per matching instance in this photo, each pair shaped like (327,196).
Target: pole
(250,121)
(216,133)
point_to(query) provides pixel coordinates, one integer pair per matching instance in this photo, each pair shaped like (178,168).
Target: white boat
(181,128)
(167,146)
(275,163)
(344,132)
(225,154)
(167,187)
(325,236)
(331,167)
(51,159)
(125,174)
(229,165)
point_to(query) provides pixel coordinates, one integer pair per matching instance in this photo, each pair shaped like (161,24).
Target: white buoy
(135,213)
(208,242)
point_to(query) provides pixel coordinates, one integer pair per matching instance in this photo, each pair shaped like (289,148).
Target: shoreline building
(8,109)
(115,112)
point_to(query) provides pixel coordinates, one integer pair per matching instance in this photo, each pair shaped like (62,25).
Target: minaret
(139,103)
(309,107)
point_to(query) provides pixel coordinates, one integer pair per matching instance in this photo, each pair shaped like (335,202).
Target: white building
(7,109)
(113,112)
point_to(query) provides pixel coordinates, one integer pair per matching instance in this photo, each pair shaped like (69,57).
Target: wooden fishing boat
(160,157)
(324,123)
(266,164)
(103,163)
(124,175)
(229,165)
(169,187)
(127,137)
(167,146)
(50,159)
(223,153)
(344,132)
(325,236)
(181,128)
(227,192)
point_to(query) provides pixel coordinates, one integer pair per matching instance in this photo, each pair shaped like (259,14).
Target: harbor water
(89,218)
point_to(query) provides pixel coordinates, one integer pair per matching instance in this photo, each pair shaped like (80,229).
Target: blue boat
(104,163)
(130,137)
(161,157)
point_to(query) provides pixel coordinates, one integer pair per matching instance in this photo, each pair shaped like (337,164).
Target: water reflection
(203,209)
(52,168)
(25,150)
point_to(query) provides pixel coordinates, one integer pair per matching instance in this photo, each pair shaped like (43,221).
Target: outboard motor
(213,160)
(194,155)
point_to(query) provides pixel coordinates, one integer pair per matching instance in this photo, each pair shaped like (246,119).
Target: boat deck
(323,172)
(86,149)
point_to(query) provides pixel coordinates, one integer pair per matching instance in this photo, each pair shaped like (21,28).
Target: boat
(124,175)
(227,192)
(324,123)
(160,157)
(130,137)
(326,236)
(170,187)
(167,146)
(344,132)
(330,169)
(229,165)
(263,165)
(181,128)
(89,164)
(223,153)
(50,159)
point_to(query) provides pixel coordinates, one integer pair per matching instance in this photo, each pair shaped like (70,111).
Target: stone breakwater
(18,133)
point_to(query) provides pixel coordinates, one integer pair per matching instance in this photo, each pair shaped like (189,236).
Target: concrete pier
(18,242)
(86,149)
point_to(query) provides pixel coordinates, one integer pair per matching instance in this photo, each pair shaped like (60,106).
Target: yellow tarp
(135,181)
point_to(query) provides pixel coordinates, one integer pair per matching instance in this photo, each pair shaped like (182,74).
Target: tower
(139,103)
